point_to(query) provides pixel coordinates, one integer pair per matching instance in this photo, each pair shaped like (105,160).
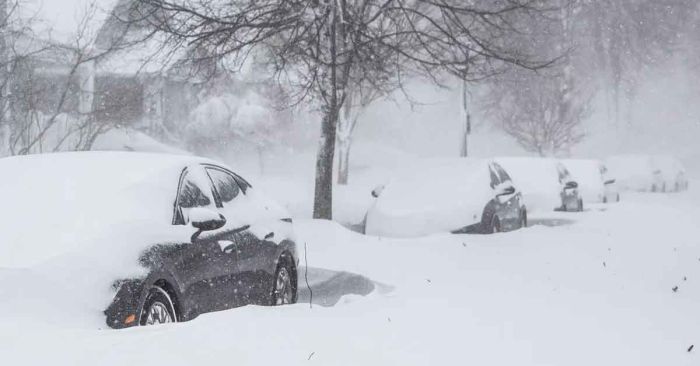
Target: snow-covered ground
(595,288)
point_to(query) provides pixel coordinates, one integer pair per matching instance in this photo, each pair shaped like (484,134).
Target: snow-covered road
(616,285)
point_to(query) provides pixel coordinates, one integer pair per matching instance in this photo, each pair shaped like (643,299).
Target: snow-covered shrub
(228,120)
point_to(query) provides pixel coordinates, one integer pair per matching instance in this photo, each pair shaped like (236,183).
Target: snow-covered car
(145,238)
(634,172)
(546,183)
(612,191)
(672,171)
(446,195)
(594,183)
(648,173)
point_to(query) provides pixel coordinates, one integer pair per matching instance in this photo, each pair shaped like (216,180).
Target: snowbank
(595,291)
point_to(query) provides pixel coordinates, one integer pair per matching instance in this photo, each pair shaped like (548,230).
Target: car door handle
(227,246)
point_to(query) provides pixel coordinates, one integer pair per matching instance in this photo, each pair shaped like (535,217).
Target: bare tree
(48,86)
(543,111)
(532,109)
(623,38)
(322,47)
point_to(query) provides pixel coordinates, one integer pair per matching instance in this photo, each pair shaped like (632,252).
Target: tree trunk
(5,66)
(323,195)
(466,128)
(343,161)
(346,124)
(323,198)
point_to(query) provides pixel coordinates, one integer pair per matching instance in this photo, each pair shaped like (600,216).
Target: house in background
(56,102)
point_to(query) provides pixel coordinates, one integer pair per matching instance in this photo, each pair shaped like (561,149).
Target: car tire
(605,199)
(157,308)
(580,205)
(617,198)
(283,291)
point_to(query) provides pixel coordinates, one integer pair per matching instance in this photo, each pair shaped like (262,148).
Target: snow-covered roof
(98,25)
(60,20)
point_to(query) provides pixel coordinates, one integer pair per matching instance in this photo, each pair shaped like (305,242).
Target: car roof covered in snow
(433,183)
(54,202)
(584,169)
(532,167)
(102,169)
(537,178)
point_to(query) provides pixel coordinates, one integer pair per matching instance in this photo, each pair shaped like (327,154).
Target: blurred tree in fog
(622,40)
(605,46)
(543,110)
(322,49)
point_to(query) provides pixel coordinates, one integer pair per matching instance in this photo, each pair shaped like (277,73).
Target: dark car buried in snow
(165,237)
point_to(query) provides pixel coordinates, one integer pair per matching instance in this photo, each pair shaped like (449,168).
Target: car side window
(563,173)
(224,184)
(495,181)
(191,195)
(502,175)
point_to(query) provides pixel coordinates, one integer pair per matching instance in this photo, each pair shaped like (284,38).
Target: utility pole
(466,118)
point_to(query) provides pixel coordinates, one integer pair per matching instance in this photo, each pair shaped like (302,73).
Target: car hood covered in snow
(431,196)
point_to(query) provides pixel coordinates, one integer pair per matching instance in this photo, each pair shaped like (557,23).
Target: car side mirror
(204,219)
(507,191)
(609,181)
(377,191)
(571,185)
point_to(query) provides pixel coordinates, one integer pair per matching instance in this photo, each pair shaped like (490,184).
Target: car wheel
(618,198)
(605,199)
(157,308)
(283,290)
(523,219)
(580,205)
